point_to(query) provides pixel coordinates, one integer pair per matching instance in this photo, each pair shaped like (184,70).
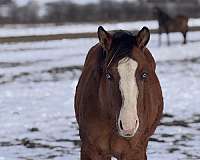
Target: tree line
(62,11)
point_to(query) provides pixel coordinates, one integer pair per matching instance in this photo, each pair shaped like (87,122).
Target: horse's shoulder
(85,77)
(90,64)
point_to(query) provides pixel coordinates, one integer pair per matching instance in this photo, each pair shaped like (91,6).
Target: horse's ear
(143,37)
(105,38)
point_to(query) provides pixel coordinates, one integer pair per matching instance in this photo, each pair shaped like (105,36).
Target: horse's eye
(108,76)
(144,75)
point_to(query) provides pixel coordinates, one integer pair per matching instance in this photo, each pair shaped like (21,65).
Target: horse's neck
(163,17)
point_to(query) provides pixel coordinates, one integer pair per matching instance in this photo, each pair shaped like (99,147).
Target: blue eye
(108,76)
(144,75)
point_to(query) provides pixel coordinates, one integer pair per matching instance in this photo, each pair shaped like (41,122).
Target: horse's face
(128,120)
(125,69)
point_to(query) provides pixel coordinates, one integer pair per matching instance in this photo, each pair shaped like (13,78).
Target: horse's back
(182,21)
(178,23)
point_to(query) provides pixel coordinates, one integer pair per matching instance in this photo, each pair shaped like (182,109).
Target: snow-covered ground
(50,29)
(37,83)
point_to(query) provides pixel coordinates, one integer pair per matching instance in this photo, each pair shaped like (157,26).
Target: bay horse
(118,99)
(169,24)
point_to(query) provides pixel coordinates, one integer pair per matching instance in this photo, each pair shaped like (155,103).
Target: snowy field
(52,29)
(37,83)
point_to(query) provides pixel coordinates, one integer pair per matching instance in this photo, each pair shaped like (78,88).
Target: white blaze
(129,92)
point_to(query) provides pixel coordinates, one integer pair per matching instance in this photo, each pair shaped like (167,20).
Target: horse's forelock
(122,44)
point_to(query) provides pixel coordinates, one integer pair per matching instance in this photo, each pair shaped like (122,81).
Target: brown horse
(118,101)
(169,24)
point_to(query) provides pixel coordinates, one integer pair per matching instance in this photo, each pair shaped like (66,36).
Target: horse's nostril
(136,122)
(128,135)
(120,124)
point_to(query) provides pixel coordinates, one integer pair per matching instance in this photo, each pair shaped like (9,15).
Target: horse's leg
(84,154)
(139,152)
(107,158)
(141,156)
(168,42)
(90,153)
(184,36)
(159,39)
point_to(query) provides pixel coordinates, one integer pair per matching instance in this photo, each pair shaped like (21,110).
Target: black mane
(122,43)
(163,17)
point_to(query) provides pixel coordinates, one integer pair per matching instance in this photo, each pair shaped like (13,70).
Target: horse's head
(156,11)
(160,14)
(127,75)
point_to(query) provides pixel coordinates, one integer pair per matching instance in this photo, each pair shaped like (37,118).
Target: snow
(37,90)
(28,30)
(52,29)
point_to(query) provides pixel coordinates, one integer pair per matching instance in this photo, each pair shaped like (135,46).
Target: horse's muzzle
(127,132)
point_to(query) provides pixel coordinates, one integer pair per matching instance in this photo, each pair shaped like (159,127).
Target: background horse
(168,24)
(118,100)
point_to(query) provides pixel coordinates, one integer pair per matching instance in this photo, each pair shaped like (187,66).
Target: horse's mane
(162,16)
(122,43)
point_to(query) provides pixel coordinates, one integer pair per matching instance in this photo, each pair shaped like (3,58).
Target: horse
(169,24)
(118,99)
